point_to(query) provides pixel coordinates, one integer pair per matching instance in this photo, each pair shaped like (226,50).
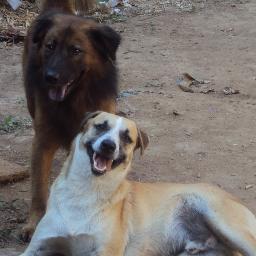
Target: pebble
(249,186)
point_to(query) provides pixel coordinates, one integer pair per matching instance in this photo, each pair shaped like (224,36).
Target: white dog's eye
(125,137)
(102,127)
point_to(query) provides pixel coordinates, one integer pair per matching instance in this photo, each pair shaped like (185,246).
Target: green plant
(11,123)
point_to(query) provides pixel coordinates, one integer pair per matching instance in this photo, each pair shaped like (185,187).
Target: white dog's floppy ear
(142,141)
(88,116)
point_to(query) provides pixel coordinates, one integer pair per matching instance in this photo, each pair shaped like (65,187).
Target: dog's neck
(78,177)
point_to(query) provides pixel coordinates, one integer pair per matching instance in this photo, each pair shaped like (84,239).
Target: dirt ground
(195,137)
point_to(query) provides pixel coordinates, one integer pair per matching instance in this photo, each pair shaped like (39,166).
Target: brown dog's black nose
(108,146)
(52,76)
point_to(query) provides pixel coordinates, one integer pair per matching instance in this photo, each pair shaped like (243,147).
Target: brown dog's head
(109,141)
(69,48)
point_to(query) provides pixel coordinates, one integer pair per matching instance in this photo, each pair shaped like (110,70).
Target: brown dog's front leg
(42,155)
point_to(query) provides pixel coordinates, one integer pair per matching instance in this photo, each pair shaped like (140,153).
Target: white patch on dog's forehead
(111,120)
(112,134)
(119,124)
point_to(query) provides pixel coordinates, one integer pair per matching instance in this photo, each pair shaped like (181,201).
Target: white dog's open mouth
(101,164)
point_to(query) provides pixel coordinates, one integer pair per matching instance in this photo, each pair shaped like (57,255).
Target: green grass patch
(10,124)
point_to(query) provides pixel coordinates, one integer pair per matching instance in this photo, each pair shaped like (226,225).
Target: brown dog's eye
(51,45)
(75,50)
(125,137)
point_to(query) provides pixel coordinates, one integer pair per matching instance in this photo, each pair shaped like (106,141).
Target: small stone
(229,91)
(175,112)
(249,186)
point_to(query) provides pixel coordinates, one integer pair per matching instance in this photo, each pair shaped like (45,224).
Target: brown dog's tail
(65,6)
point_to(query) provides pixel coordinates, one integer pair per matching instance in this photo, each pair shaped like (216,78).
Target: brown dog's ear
(142,141)
(105,40)
(88,116)
(41,27)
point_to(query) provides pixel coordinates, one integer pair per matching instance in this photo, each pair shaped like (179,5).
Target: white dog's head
(109,141)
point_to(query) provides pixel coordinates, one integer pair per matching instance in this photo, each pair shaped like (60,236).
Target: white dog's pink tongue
(101,164)
(58,93)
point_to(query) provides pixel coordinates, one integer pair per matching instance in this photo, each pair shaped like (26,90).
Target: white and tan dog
(93,210)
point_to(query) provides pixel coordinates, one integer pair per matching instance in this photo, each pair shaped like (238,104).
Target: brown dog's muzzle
(52,76)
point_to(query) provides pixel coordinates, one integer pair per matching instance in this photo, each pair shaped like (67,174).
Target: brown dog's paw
(27,232)
(29,228)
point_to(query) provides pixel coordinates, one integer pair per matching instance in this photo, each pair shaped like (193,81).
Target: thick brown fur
(60,5)
(82,53)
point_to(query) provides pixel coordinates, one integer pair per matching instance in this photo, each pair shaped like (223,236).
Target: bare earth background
(194,137)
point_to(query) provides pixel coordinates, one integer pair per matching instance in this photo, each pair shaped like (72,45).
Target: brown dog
(69,68)
(92,203)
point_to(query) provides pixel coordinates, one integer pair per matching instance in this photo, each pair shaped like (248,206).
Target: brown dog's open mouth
(101,164)
(59,93)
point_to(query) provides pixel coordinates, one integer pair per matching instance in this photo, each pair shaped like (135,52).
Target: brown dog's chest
(64,124)
(62,121)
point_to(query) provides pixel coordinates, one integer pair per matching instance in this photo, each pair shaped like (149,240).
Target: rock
(229,91)
(187,83)
(127,93)
(175,112)
(248,186)
(11,172)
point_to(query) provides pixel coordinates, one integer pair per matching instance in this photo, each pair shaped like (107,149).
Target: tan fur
(144,219)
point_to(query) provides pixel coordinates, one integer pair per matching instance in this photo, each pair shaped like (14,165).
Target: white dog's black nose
(108,146)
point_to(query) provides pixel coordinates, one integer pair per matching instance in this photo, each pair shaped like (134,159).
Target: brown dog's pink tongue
(57,93)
